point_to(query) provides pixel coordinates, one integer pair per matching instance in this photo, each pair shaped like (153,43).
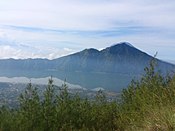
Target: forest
(146,104)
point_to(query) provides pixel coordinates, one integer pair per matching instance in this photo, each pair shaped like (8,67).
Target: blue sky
(54,28)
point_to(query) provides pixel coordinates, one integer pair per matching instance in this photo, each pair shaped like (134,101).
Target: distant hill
(120,58)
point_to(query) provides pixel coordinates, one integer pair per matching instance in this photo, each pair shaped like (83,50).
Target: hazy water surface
(112,82)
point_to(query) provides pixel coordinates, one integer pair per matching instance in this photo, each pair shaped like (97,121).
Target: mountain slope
(120,58)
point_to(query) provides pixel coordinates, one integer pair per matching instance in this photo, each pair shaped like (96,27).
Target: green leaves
(30,109)
(59,110)
(48,108)
(152,93)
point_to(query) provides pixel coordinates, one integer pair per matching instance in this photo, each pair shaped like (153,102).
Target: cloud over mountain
(94,23)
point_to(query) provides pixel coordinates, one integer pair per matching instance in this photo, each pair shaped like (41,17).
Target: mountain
(119,58)
(112,68)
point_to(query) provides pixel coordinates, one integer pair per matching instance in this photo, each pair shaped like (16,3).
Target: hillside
(120,58)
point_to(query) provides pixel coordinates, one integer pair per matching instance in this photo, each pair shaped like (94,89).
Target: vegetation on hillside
(147,104)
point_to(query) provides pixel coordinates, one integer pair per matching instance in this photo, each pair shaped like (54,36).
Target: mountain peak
(122,49)
(91,50)
(123,44)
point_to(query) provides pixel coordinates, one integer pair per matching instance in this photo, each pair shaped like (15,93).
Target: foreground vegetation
(147,104)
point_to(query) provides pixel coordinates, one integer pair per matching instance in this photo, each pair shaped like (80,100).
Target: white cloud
(23,53)
(76,14)
(14,49)
(80,24)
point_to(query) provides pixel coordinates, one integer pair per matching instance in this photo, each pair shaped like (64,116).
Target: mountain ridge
(118,58)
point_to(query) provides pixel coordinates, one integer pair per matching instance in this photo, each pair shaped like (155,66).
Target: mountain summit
(123,44)
(124,49)
(121,58)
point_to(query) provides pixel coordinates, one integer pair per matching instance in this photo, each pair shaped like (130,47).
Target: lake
(108,81)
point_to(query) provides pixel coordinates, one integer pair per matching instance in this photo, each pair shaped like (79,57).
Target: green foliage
(153,93)
(48,108)
(30,109)
(147,104)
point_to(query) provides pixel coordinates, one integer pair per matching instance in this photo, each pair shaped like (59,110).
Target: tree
(48,106)
(30,109)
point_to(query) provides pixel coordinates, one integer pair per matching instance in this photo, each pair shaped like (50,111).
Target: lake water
(111,82)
